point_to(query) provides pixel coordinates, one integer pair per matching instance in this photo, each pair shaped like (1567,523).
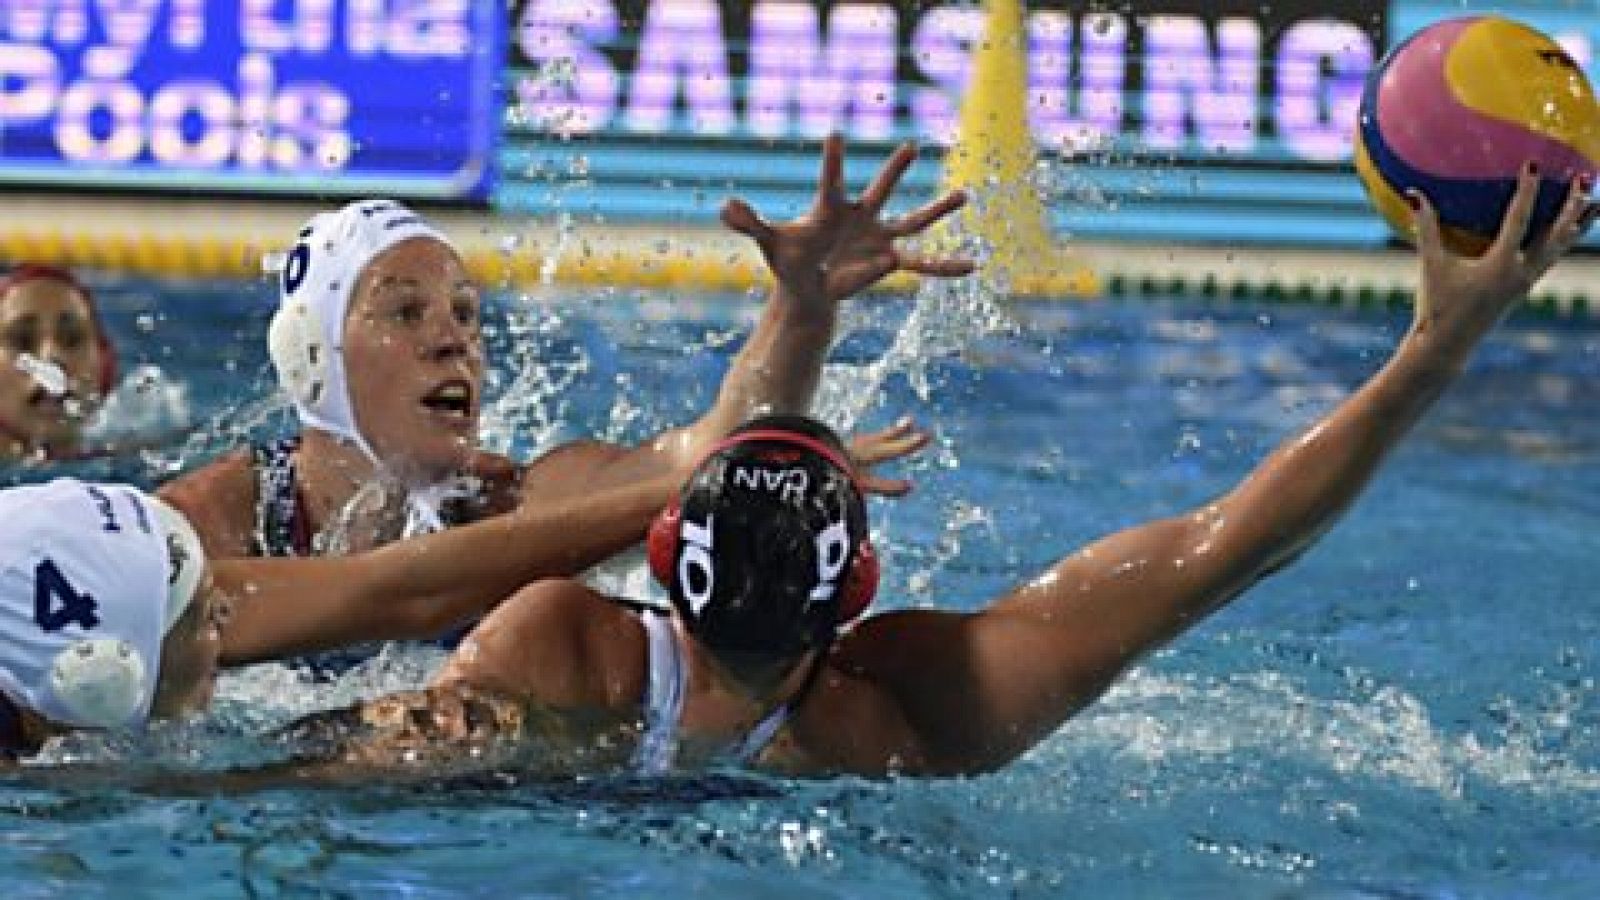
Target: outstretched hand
(841,246)
(1474,293)
(898,441)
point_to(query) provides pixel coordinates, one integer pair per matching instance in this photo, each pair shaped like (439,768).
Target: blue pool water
(1411,711)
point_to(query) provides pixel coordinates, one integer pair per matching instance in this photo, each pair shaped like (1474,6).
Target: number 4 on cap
(56,603)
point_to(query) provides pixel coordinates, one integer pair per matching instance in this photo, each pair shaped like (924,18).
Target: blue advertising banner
(396,97)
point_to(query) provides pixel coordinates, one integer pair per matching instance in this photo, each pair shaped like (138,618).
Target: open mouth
(42,399)
(453,398)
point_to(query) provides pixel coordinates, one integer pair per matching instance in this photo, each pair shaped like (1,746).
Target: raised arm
(979,690)
(420,588)
(838,248)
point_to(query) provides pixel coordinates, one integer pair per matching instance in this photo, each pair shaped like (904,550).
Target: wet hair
(770,525)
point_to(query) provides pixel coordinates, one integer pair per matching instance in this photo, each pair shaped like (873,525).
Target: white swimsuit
(663,702)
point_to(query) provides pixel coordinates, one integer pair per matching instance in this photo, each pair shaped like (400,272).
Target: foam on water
(1387,734)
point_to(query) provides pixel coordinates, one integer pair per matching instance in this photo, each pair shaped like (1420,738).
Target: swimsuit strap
(765,730)
(663,701)
(669,685)
(761,735)
(282,526)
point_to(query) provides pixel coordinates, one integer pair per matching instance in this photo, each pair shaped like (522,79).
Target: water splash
(146,405)
(227,429)
(1387,734)
(947,317)
(273,694)
(47,373)
(961,517)
(531,412)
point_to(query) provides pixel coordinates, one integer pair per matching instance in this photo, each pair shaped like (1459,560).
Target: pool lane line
(709,267)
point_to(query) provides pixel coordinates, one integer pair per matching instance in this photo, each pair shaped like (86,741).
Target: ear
(860,585)
(294,341)
(661,544)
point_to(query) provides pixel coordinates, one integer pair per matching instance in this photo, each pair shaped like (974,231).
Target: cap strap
(783,436)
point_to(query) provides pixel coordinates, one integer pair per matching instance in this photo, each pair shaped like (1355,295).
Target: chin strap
(425,506)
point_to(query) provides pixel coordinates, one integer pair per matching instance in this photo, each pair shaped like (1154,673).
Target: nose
(51,349)
(448,338)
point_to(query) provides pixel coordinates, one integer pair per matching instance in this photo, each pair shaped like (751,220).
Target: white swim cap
(85,601)
(306,338)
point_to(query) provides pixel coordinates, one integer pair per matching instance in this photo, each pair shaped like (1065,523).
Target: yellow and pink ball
(1455,112)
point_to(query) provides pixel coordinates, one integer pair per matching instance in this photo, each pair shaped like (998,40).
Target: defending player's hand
(900,440)
(841,246)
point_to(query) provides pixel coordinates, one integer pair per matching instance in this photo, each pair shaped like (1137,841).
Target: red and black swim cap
(766,553)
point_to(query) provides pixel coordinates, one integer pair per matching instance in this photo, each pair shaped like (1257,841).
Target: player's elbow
(422,617)
(1217,554)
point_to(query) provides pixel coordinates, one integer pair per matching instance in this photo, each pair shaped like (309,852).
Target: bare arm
(419,588)
(1008,676)
(836,249)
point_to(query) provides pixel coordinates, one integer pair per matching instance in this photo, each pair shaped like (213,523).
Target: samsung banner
(354,96)
(1228,120)
(1160,118)
(1240,79)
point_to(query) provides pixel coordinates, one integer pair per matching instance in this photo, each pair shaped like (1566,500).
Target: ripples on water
(1410,712)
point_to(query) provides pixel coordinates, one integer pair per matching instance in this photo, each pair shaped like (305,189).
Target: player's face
(51,322)
(414,355)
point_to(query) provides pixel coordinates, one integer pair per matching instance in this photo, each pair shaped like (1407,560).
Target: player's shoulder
(219,499)
(558,642)
(229,480)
